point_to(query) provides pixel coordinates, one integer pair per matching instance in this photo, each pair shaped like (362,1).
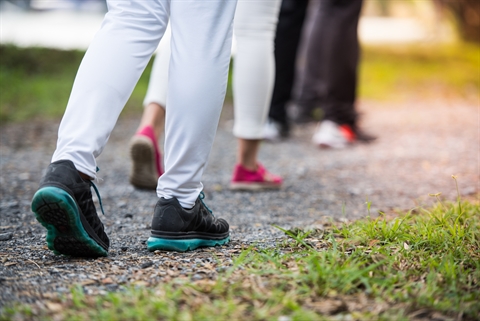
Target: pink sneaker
(146,161)
(243,179)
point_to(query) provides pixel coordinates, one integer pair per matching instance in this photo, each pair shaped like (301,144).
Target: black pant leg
(331,59)
(289,28)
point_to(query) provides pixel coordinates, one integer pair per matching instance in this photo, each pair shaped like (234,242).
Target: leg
(290,24)
(253,77)
(156,96)
(247,153)
(153,116)
(144,148)
(63,203)
(201,42)
(101,88)
(158,83)
(334,80)
(254,66)
(335,28)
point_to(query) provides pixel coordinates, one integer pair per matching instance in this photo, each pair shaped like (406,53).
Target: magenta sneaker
(243,179)
(146,159)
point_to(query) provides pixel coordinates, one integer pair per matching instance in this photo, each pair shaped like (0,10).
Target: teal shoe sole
(57,211)
(154,243)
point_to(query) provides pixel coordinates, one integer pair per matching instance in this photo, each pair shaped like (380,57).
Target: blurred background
(411,50)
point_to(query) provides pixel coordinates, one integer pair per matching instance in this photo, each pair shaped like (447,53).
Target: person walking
(326,74)
(253,77)
(113,63)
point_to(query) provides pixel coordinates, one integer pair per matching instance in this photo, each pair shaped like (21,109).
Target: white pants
(254,67)
(130,32)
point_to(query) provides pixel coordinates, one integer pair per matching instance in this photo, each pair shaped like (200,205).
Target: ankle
(249,166)
(85,176)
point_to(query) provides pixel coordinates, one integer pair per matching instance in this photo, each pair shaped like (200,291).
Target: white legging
(130,32)
(254,67)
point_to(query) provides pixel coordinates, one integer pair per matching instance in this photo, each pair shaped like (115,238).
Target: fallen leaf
(107,281)
(89,282)
(328,307)
(54,307)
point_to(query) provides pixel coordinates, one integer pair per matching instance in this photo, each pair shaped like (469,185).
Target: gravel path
(419,147)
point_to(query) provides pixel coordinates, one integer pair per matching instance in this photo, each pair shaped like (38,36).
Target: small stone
(128,215)
(6,236)
(124,248)
(146,264)
(11,204)
(197,277)
(112,287)
(24,176)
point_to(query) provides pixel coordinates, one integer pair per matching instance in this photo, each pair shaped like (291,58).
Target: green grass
(36,82)
(426,261)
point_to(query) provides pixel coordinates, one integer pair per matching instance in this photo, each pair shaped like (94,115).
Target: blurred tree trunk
(467,15)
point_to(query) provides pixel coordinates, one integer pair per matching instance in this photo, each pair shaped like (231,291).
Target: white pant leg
(158,83)
(254,65)
(201,44)
(106,77)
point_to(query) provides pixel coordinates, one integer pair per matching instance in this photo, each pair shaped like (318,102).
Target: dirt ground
(420,146)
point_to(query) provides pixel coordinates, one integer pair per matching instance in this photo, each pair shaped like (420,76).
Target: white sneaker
(271,131)
(331,135)
(275,131)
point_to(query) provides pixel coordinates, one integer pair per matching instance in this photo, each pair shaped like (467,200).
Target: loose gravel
(419,147)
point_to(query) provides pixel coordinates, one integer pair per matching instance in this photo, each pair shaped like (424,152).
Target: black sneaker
(363,136)
(177,229)
(63,205)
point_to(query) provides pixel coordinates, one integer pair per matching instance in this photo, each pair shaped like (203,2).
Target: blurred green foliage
(407,72)
(36,82)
